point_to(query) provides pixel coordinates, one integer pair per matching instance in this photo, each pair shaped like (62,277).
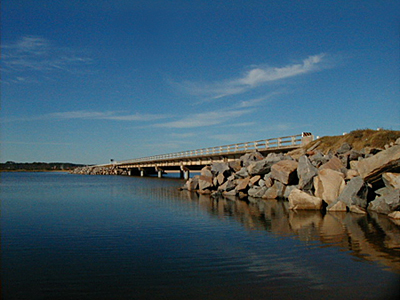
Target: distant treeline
(37,166)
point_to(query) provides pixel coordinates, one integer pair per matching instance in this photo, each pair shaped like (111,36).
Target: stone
(242,173)
(371,168)
(306,172)
(206,171)
(345,147)
(288,190)
(220,178)
(193,183)
(318,159)
(254,179)
(263,166)
(394,215)
(328,185)
(220,168)
(299,200)
(235,165)
(249,158)
(277,190)
(229,193)
(391,180)
(257,192)
(351,174)
(354,193)
(338,206)
(387,203)
(334,163)
(205,182)
(227,186)
(285,171)
(357,210)
(267,180)
(243,184)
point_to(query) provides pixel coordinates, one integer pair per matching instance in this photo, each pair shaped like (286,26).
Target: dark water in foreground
(109,237)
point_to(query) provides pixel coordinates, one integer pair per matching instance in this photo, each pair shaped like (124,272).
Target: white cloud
(205,119)
(90,115)
(253,78)
(39,55)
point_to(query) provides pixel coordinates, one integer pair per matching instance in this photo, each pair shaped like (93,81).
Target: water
(70,236)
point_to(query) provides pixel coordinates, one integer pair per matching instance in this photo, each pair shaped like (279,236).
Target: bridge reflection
(370,237)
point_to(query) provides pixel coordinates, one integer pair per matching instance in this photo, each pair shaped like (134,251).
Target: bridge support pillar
(159,173)
(129,172)
(142,173)
(184,173)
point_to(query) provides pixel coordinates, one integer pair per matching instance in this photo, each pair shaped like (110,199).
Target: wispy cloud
(256,76)
(34,54)
(205,119)
(89,115)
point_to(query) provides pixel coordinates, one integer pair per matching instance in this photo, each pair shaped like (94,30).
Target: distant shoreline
(25,170)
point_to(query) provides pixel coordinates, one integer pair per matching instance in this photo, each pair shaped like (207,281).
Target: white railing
(261,145)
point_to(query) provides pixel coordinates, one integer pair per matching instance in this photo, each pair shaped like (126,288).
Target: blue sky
(87,81)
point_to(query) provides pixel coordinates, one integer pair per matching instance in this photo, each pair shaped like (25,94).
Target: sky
(89,81)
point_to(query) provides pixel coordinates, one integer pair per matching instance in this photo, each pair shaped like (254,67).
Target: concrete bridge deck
(193,160)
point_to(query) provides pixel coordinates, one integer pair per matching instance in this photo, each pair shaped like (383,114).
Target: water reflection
(370,237)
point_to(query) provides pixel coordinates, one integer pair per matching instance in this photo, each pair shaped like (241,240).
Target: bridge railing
(260,145)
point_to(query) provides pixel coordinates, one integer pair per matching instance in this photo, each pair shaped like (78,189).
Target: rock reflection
(370,237)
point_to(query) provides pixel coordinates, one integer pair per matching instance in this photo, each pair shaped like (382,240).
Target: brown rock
(243,184)
(285,171)
(334,163)
(328,185)
(338,206)
(391,180)
(299,200)
(205,182)
(372,168)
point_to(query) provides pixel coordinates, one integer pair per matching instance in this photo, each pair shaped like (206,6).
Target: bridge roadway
(194,160)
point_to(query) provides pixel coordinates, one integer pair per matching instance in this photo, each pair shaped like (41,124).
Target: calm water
(110,237)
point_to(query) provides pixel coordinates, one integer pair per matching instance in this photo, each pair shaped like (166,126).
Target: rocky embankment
(96,170)
(342,180)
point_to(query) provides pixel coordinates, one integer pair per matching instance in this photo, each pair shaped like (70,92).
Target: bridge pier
(184,173)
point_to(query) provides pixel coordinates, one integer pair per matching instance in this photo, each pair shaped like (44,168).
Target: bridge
(194,160)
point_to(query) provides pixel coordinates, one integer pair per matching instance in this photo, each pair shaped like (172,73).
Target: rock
(387,203)
(285,171)
(372,168)
(254,179)
(220,179)
(206,171)
(243,184)
(229,193)
(299,200)
(235,165)
(267,180)
(242,173)
(357,210)
(344,148)
(318,159)
(394,215)
(354,193)
(288,190)
(193,183)
(334,163)
(263,166)
(338,206)
(306,172)
(328,185)
(227,186)
(249,158)
(257,192)
(351,174)
(391,180)
(205,182)
(277,190)
(220,168)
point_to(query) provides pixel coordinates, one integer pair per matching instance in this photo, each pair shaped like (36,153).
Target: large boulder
(299,200)
(206,171)
(328,185)
(391,180)
(263,166)
(387,203)
(277,190)
(220,168)
(249,158)
(205,182)
(256,191)
(285,171)
(243,184)
(354,193)
(306,172)
(371,168)
(334,163)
